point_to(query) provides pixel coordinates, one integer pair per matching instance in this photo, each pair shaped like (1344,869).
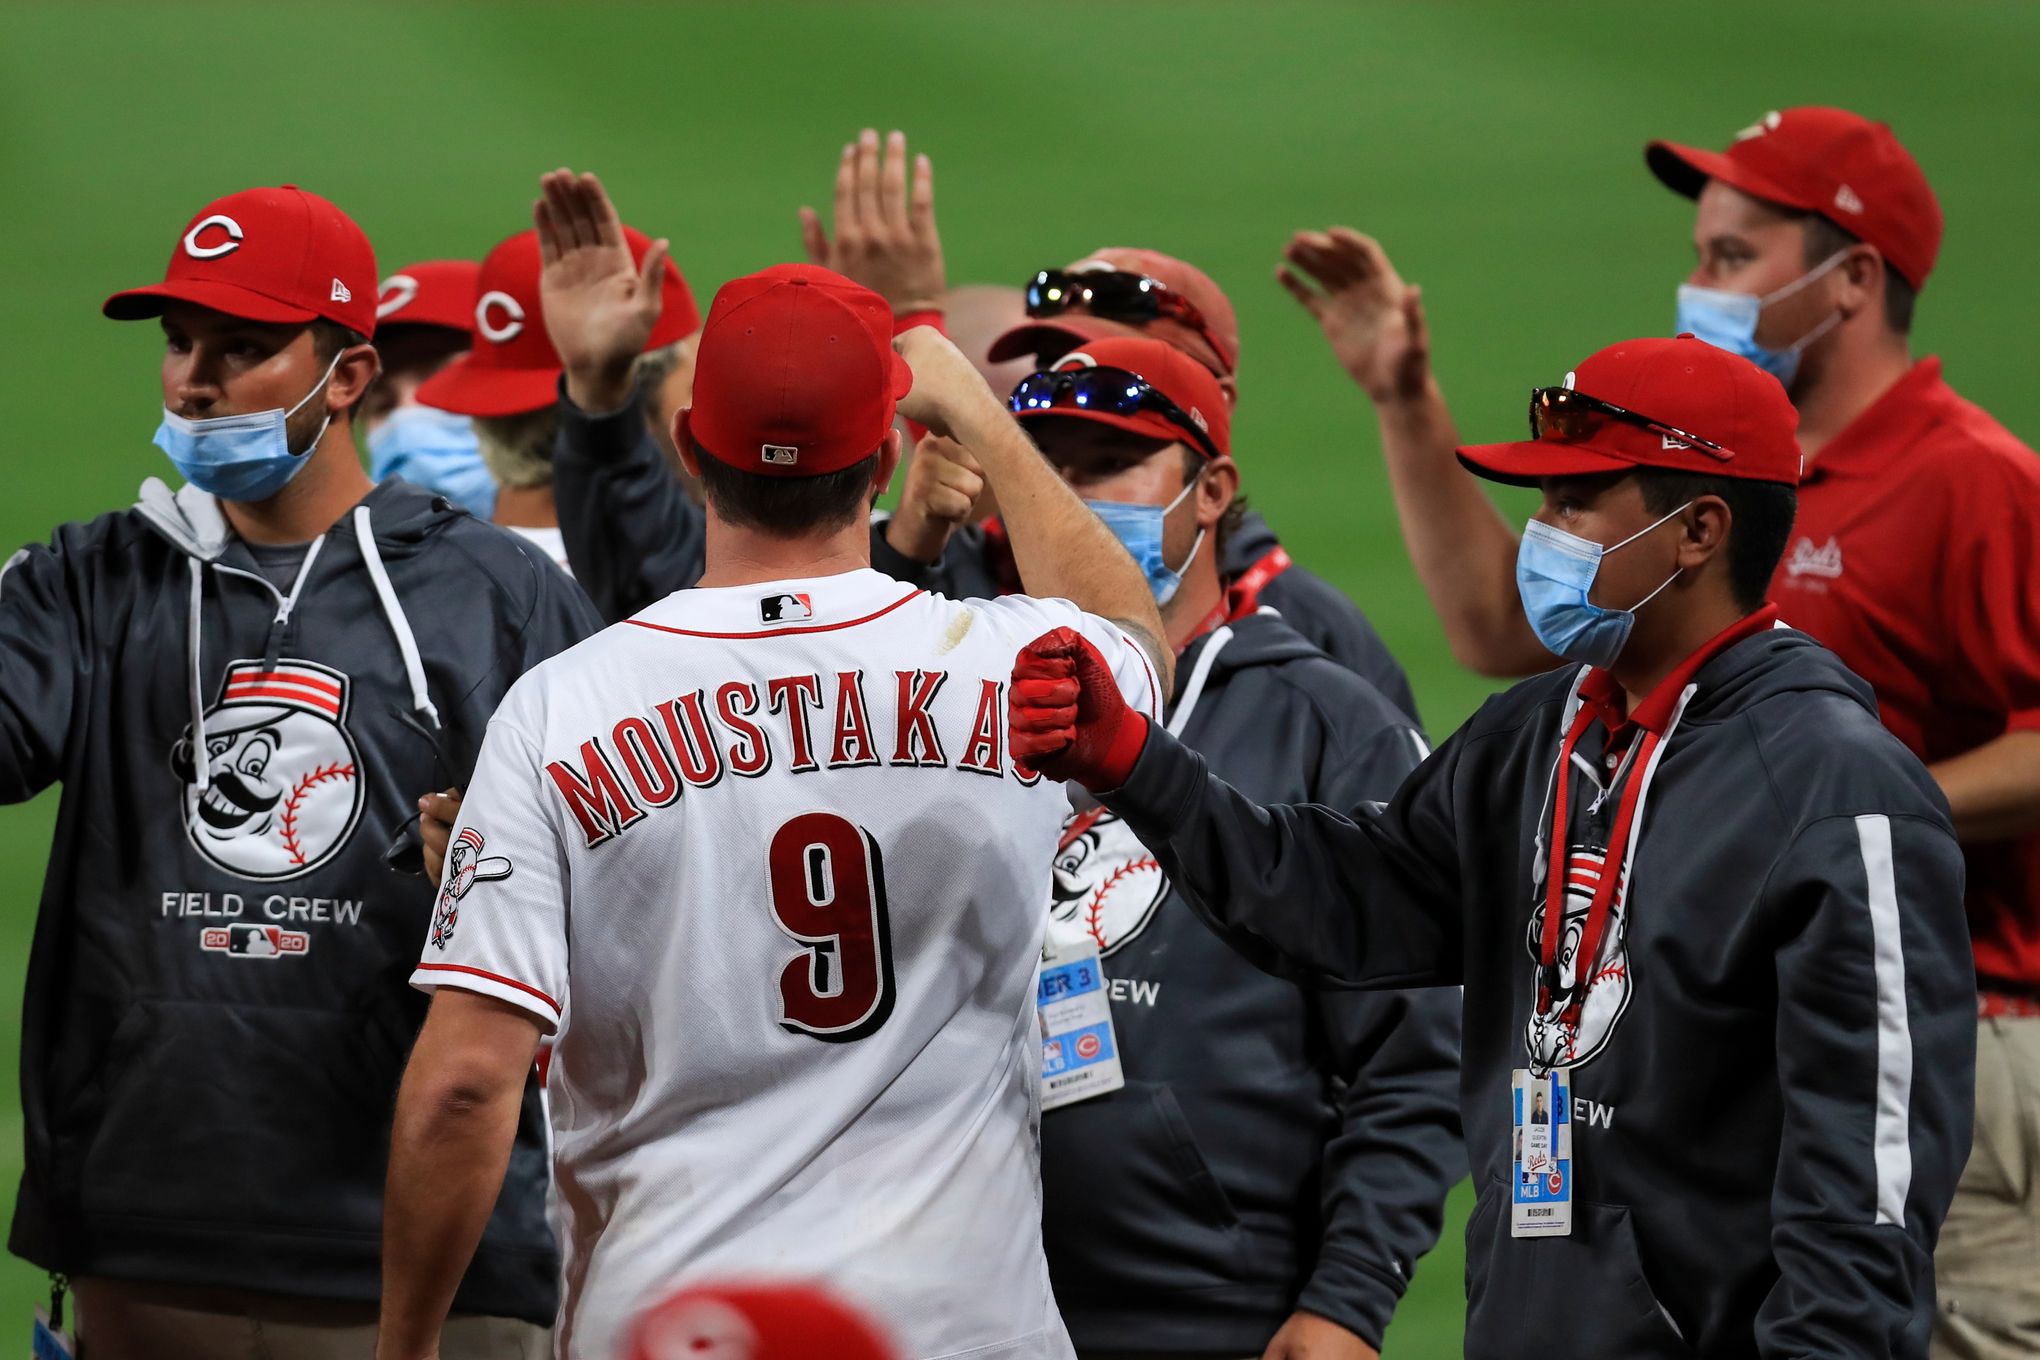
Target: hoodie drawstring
(1198,675)
(393,610)
(201,772)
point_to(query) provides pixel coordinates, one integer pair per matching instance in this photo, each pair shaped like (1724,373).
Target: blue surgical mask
(240,458)
(1729,321)
(437,450)
(1139,527)
(1555,573)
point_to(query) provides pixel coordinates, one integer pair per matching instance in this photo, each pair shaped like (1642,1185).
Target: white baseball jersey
(764,849)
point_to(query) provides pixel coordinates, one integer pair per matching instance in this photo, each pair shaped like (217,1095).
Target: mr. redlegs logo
(251,941)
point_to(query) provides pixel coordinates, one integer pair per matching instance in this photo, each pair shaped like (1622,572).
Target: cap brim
(472,389)
(1143,424)
(1685,170)
(139,304)
(1529,461)
(1047,341)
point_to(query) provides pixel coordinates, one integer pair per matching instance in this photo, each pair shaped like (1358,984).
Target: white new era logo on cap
(340,293)
(1846,200)
(781,454)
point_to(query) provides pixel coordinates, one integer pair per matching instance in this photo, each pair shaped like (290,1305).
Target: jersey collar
(1891,424)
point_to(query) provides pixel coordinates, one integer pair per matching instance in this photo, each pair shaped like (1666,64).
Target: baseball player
(241,686)
(1326,1121)
(1814,234)
(425,319)
(509,383)
(768,855)
(1694,893)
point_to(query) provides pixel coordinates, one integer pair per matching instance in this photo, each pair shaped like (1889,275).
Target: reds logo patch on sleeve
(465,867)
(278,788)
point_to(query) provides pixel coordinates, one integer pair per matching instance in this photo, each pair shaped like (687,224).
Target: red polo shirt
(1916,558)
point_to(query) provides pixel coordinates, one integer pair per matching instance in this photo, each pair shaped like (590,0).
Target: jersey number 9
(828,894)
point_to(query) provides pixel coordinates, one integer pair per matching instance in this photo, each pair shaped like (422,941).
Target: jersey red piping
(493,977)
(780,632)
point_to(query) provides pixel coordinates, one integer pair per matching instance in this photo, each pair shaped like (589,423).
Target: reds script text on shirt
(764,848)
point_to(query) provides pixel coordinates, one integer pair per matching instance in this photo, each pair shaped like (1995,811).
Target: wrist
(918,312)
(917,536)
(601,390)
(1122,753)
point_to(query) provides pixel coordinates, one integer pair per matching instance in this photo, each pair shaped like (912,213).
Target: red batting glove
(1065,716)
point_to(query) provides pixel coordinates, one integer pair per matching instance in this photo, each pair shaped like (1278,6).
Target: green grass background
(1493,147)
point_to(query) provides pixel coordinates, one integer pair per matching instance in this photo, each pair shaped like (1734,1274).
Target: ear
(683,443)
(888,463)
(1704,529)
(357,369)
(1217,486)
(1861,281)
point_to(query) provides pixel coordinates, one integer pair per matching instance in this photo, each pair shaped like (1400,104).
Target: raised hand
(949,394)
(1372,319)
(600,305)
(885,230)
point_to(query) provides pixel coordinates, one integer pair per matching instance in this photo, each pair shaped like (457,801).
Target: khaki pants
(122,1320)
(1987,1268)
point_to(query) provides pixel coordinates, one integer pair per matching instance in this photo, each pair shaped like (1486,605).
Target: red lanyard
(1558,865)
(1243,597)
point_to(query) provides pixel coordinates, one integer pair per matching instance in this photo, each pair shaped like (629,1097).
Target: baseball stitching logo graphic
(1106,886)
(1551,1041)
(465,867)
(282,788)
(250,941)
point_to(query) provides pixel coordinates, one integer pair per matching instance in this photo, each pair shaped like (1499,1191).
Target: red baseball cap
(1049,336)
(1177,376)
(757,1322)
(1681,384)
(431,293)
(513,367)
(1841,165)
(796,374)
(275,255)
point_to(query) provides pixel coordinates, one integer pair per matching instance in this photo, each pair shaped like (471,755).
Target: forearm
(1060,548)
(1463,550)
(632,534)
(448,1153)
(1994,791)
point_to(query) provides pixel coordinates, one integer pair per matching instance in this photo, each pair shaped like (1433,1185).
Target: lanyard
(1243,597)
(1558,869)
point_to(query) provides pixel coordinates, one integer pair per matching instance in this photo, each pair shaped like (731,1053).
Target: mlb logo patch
(781,455)
(785,609)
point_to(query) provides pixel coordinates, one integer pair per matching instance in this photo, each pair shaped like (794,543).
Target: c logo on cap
(506,331)
(226,247)
(397,292)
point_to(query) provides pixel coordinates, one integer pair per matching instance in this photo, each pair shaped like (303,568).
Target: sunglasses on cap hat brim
(1105,391)
(1116,295)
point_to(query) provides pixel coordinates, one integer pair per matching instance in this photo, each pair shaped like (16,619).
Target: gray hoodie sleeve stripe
(1893,1132)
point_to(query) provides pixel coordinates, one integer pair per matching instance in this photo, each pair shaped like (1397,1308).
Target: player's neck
(1837,387)
(526,507)
(738,556)
(331,484)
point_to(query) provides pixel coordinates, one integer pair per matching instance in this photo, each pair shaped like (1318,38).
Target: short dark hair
(787,507)
(1824,239)
(1194,464)
(330,337)
(1760,515)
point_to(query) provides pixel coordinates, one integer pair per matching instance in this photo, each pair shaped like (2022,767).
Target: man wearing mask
(1691,888)
(1914,559)
(1320,1127)
(424,320)
(243,687)
(510,383)
(1120,291)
